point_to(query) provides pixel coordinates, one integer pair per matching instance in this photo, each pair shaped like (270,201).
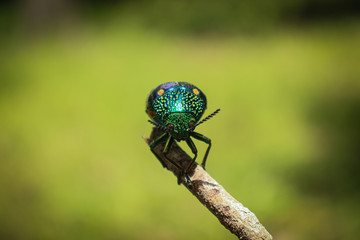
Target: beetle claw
(186,179)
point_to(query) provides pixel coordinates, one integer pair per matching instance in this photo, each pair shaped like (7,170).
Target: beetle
(176,108)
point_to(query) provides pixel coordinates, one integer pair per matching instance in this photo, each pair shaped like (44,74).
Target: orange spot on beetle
(152,114)
(195,91)
(160,92)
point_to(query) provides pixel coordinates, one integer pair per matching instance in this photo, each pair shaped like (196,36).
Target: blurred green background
(74,76)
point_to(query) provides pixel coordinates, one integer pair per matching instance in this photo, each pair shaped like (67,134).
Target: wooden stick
(232,214)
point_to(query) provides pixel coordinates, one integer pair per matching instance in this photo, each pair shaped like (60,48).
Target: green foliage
(216,16)
(74,166)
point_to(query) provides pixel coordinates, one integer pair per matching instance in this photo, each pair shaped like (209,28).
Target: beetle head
(179,125)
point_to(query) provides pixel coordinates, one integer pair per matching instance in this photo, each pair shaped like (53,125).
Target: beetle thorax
(180,124)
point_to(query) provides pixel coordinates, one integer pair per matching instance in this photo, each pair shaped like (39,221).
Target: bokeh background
(74,76)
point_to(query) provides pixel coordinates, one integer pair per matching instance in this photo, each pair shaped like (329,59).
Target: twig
(232,214)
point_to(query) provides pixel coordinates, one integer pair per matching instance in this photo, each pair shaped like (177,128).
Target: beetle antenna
(161,127)
(207,118)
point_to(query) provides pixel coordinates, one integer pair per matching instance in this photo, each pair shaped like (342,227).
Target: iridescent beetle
(176,108)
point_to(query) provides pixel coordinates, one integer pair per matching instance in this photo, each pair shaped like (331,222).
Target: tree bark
(232,214)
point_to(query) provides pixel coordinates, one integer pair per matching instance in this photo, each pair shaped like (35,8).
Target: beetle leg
(194,151)
(167,147)
(155,143)
(207,140)
(168,144)
(169,140)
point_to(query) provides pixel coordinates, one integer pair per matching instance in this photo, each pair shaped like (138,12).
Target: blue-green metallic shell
(175,97)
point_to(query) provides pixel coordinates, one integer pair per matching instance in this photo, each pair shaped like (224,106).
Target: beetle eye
(170,126)
(191,124)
